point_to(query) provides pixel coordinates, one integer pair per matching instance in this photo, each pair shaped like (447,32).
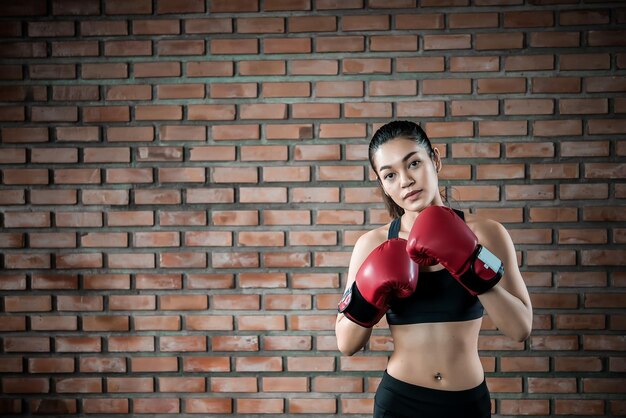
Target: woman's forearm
(512,317)
(350,336)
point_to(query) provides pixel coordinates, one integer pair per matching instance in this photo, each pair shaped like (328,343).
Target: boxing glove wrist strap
(484,273)
(357,309)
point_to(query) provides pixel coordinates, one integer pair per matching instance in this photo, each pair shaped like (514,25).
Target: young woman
(432,271)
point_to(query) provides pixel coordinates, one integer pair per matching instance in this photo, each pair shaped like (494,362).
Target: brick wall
(183,182)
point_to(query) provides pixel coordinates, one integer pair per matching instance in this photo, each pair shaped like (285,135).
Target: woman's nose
(405,180)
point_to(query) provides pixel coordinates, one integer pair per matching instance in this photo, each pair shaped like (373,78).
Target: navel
(438,376)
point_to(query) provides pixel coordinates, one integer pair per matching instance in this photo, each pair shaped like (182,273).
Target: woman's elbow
(522,336)
(346,348)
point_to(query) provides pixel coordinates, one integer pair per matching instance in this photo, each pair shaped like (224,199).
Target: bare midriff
(442,355)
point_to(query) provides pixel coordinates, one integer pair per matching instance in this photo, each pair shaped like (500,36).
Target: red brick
(421,109)
(455,41)
(449,129)
(302,89)
(279,174)
(261,25)
(585,61)
(209,25)
(256,322)
(233,90)
(499,41)
(314,67)
(115,7)
(367,110)
(273,67)
(209,69)
(25,176)
(127,48)
(180,47)
(23,50)
(451,86)
(130,384)
(472,20)
(292,260)
(583,106)
(104,71)
(469,64)
(340,44)
(365,23)
(50,29)
(182,133)
(53,114)
(579,407)
(285,384)
(525,407)
(529,63)
(283,5)
(156,27)
(554,39)
(210,405)
(420,64)
(577,364)
(75,49)
(420,21)
(105,405)
(181,384)
(606,38)
(103,28)
(357,406)
(75,7)
(233,384)
(526,19)
(287,46)
(180,6)
(78,344)
(366,66)
(337,384)
(603,385)
(333,4)
(234,46)
(287,343)
(267,405)
(236,6)
(24,135)
(583,17)
(394,43)
(159,281)
(12,72)
(312,24)
(308,405)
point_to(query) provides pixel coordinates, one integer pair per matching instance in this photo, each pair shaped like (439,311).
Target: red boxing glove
(440,233)
(387,272)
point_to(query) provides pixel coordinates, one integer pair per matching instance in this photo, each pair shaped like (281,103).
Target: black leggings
(397,399)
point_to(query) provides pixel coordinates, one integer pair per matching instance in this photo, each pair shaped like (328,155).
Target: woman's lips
(414,193)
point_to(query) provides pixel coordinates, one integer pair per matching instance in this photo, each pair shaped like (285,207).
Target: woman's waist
(451,367)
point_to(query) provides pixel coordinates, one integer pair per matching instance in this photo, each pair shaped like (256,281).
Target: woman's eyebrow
(406,157)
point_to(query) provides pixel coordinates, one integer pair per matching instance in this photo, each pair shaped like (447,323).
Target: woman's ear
(437,159)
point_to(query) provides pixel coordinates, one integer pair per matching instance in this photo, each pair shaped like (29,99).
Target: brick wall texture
(182,182)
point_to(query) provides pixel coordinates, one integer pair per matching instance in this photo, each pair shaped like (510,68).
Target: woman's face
(407,174)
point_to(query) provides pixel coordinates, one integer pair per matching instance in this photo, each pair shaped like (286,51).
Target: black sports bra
(437,298)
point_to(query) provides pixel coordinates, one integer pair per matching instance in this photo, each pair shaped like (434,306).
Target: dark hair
(392,130)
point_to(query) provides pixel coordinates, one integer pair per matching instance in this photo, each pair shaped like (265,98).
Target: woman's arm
(507,303)
(352,337)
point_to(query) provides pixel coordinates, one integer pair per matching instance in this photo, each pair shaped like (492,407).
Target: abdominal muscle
(437,355)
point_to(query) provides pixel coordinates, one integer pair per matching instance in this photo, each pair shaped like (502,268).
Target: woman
(431,271)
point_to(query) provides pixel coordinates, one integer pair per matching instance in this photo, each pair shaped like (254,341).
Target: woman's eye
(414,163)
(388,176)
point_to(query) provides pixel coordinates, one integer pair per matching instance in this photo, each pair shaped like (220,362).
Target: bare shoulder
(487,230)
(371,239)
